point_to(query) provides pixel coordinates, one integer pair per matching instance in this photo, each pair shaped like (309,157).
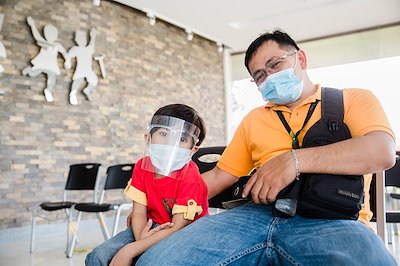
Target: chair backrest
(118,176)
(82,176)
(392,175)
(201,156)
(377,197)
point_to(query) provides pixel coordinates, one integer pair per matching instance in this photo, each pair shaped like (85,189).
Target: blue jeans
(250,235)
(103,254)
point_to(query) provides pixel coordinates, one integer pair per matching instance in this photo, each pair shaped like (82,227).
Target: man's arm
(218,180)
(361,155)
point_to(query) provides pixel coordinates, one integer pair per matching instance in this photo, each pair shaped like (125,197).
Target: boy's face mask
(160,157)
(170,144)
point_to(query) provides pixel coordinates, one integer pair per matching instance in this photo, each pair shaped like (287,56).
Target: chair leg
(103,226)
(390,233)
(68,213)
(71,245)
(33,227)
(116,221)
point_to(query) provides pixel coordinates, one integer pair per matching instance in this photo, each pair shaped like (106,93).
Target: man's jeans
(250,235)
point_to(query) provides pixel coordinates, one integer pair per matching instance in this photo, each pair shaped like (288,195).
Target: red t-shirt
(167,196)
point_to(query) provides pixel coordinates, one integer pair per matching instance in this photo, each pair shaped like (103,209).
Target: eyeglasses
(273,65)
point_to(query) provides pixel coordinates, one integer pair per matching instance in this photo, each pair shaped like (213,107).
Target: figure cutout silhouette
(3,54)
(46,60)
(84,65)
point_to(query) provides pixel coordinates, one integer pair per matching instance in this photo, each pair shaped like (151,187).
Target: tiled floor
(51,242)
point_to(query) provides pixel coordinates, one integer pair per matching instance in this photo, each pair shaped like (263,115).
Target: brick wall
(147,67)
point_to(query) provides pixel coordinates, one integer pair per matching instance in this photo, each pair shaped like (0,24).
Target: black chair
(381,180)
(206,159)
(80,177)
(117,177)
(392,179)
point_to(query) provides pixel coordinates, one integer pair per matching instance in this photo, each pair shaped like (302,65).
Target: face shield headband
(169,145)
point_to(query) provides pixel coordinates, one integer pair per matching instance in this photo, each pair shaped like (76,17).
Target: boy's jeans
(103,254)
(250,235)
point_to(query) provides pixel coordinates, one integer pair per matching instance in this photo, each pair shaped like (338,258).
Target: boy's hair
(281,38)
(183,112)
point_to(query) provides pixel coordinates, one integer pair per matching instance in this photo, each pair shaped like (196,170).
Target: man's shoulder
(357,94)
(351,94)
(256,112)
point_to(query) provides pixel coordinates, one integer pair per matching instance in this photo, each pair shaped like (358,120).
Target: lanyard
(295,140)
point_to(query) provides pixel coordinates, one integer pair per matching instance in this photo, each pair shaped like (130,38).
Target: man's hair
(183,112)
(281,38)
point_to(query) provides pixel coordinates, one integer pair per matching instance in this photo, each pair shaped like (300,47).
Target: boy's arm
(131,250)
(139,219)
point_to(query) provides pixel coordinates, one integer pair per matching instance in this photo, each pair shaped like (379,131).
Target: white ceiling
(236,23)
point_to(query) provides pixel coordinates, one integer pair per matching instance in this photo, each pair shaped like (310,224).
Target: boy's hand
(146,232)
(124,256)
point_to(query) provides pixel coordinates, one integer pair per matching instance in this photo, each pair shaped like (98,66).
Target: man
(251,234)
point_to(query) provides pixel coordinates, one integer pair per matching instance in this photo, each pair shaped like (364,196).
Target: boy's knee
(96,257)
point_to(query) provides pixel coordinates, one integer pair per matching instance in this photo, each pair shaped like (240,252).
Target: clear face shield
(169,145)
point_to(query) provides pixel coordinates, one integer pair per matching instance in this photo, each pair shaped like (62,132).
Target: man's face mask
(282,87)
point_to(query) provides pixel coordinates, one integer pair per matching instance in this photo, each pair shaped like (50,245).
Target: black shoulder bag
(326,196)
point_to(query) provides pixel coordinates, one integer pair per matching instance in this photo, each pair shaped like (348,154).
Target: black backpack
(323,195)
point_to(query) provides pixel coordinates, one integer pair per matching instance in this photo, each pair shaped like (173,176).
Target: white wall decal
(46,61)
(3,54)
(84,58)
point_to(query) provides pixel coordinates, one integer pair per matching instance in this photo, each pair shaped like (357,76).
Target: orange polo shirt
(262,136)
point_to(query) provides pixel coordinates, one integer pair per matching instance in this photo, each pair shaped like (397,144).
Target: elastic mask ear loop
(294,68)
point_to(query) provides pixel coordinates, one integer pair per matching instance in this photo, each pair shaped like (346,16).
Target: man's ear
(302,59)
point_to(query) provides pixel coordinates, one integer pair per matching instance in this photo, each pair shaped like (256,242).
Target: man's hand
(271,178)
(146,232)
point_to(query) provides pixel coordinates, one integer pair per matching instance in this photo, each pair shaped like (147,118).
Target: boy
(167,190)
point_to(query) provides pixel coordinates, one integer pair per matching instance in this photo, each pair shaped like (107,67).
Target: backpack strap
(332,108)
